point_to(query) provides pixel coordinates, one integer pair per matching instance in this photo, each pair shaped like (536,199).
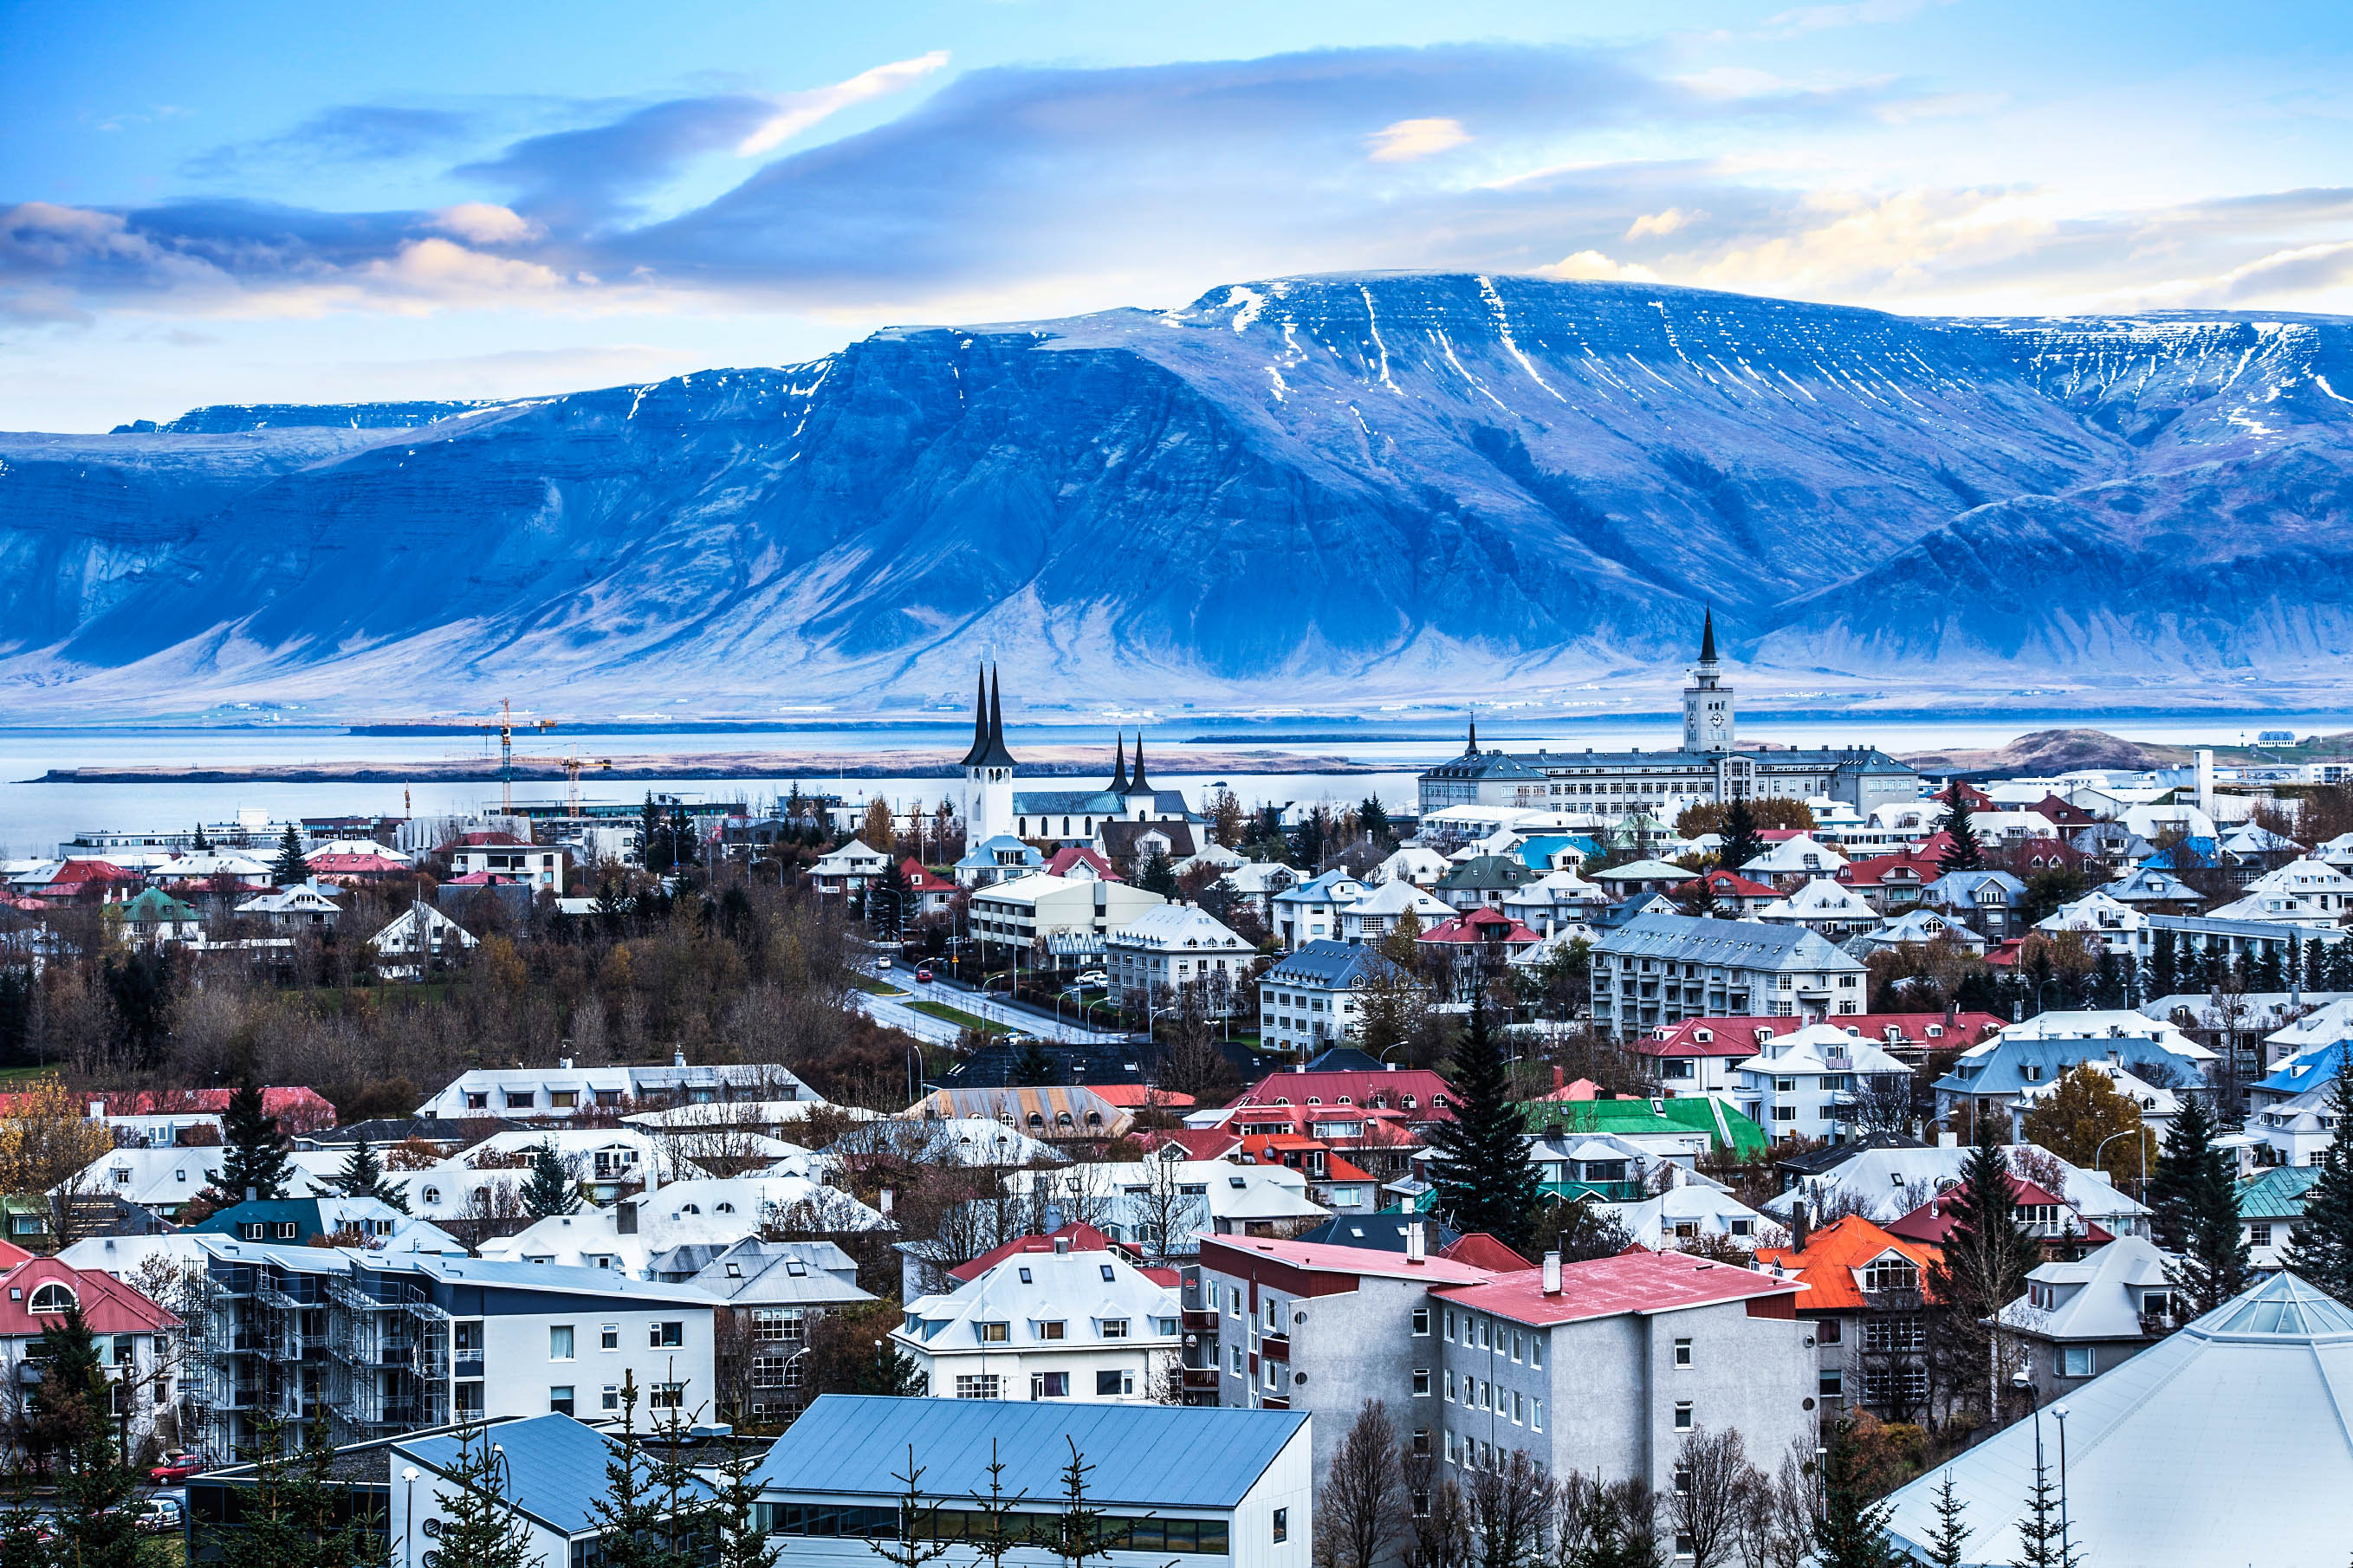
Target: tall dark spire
(1473,746)
(1135,784)
(1119,768)
(1707,637)
(988,728)
(979,748)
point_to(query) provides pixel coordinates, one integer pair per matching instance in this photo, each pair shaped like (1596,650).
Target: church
(1708,767)
(1104,818)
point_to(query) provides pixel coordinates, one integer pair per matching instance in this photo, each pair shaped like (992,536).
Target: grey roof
(2274,931)
(1074,802)
(2001,1070)
(555,1466)
(765,1274)
(2166,1451)
(1483,765)
(1488,871)
(1747,944)
(1381,1232)
(1964,884)
(1151,1454)
(1334,965)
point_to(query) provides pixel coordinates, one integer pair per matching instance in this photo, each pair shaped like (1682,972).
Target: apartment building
(139,1343)
(1806,1083)
(564,1092)
(1062,1324)
(373,1346)
(1021,911)
(1663,969)
(1164,950)
(1314,996)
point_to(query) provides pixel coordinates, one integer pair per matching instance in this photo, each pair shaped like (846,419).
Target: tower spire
(995,712)
(979,719)
(1707,637)
(1471,747)
(1119,767)
(1135,784)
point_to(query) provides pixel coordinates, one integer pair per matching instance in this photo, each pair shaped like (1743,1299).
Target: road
(895,1012)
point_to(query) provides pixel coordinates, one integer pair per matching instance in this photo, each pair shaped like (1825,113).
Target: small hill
(2053,752)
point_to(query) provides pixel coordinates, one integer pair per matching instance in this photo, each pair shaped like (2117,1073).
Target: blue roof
(1154,1456)
(2276,1194)
(2306,1070)
(2000,1070)
(1325,962)
(2195,850)
(555,1466)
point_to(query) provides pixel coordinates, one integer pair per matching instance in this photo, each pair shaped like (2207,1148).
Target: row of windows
(1486,1334)
(1115,1532)
(561,1338)
(561,1400)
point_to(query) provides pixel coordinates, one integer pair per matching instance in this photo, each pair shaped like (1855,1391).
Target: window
(1115,1327)
(665,1336)
(1422,1383)
(1107,1273)
(2259,1234)
(469,1400)
(1421,1317)
(1827,1331)
(666,1396)
(1903,1332)
(610,1339)
(1237,1361)
(1049,1385)
(432,1195)
(521,1098)
(1785,1114)
(1050,1331)
(994,1333)
(1110,1384)
(1446,1329)
(1683,1415)
(1891,1274)
(981,1387)
(1831,1387)
(612,1400)
(559,1342)
(1282,1524)
(1685,1546)
(559,1399)
(1025,1277)
(1683,1352)
(1535,1413)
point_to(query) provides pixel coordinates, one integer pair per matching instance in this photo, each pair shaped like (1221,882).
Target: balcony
(1275,1347)
(1274,1402)
(1200,1320)
(1201,1380)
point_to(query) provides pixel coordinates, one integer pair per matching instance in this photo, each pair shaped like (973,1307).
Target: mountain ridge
(1342,485)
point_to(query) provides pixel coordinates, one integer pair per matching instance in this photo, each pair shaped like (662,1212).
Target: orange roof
(1137,1096)
(1339,1169)
(1484,1250)
(1834,1257)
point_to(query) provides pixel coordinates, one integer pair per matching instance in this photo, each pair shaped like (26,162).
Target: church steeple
(1707,637)
(1707,702)
(988,726)
(979,747)
(1119,767)
(1471,748)
(1135,784)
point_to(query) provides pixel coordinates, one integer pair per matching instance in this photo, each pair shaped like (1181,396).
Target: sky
(264,203)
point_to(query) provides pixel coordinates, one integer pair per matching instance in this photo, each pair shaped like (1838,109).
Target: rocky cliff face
(1311,488)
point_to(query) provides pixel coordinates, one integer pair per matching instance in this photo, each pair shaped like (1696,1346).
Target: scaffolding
(388,1347)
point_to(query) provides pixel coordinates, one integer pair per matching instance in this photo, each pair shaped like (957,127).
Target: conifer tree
(2197,1211)
(257,1160)
(2040,1542)
(739,1541)
(1980,1269)
(2322,1252)
(630,1514)
(1741,843)
(1485,1178)
(1000,1527)
(291,867)
(1944,1541)
(293,1513)
(1158,874)
(1964,853)
(1850,1532)
(918,1540)
(1076,1533)
(1033,1068)
(200,845)
(363,1177)
(549,1189)
(480,1526)
(2164,965)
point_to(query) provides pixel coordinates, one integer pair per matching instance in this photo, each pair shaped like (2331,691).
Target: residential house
(1661,969)
(1021,913)
(848,871)
(639,1234)
(1556,902)
(2270,1204)
(1990,903)
(166,1181)
(1376,914)
(775,1291)
(1727,894)
(139,1343)
(306,907)
(2156,891)
(1483,881)
(1662,877)
(1056,1114)
(1315,995)
(928,893)
(2081,1319)
(2059,1231)
(1891,884)
(1676,1132)
(564,1092)
(1172,1484)
(2306,891)
(155,919)
(1988,1080)
(1165,1203)
(327,1221)
(1048,1325)
(1691,1210)
(1865,1309)
(1822,906)
(1000,857)
(1473,948)
(1311,908)
(1791,860)
(418,942)
(2159,1103)
(1886,1182)
(1809,1083)
(1165,949)
(1915,928)
(1422,866)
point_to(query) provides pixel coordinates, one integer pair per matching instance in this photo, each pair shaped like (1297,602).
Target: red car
(175,1468)
(923,977)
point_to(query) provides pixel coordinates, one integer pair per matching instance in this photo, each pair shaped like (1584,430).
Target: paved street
(895,1012)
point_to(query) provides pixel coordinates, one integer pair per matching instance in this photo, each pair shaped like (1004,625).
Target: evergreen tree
(1741,843)
(75,1431)
(2164,966)
(2041,1543)
(1850,1532)
(1964,853)
(1485,1179)
(1076,1532)
(2197,1211)
(549,1189)
(918,1540)
(1944,1541)
(1158,874)
(1980,1269)
(363,1177)
(2322,1252)
(1033,1068)
(739,1541)
(1374,818)
(656,851)
(886,905)
(291,867)
(200,845)
(294,1512)
(479,1524)
(892,1374)
(631,1514)
(256,1161)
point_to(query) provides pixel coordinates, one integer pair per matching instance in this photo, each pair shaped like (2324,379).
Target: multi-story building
(1864,1308)
(1314,996)
(1312,910)
(140,1344)
(1022,911)
(1167,949)
(1663,969)
(565,1093)
(377,1345)
(1806,1083)
(1048,1325)
(773,1292)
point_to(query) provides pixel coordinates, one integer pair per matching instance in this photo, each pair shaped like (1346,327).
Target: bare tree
(1362,1506)
(1438,1520)
(1165,1213)
(1776,1523)
(1511,1505)
(1713,1483)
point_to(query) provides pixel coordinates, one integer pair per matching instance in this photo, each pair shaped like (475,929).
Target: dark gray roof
(1747,944)
(1488,871)
(1325,962)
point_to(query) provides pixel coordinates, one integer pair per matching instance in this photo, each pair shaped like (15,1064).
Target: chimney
(1799,1230)
(1413,1243)
(1062,1245)
(563,1062)
(1557,1081)
(1391,1066)
(98,1111)
(1552,1274)
(1948,1140)
(678,1057)
(883,1203)
(252,1195)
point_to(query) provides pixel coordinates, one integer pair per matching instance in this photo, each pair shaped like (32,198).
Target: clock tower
(1707,703)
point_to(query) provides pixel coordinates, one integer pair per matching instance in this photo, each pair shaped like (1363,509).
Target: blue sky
(267,202)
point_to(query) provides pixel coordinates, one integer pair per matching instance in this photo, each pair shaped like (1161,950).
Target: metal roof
(1745,944)
(555,1466)
(1148,1455)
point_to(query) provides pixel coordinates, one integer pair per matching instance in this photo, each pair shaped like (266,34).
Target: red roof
(12,1255)
(1363,1091)
(1081,1238)
(1069,855)
(108,1305)
(482,879)
(92,871)
(1326,1257)
(1724,885)
(1833,1256)
(1484,1250)
(354,865)
(1481,925)
(2065,813)
(922,878)
(1198,1143)
(1738,1036)
(485,840)
(1907,867)
(298,1107)
(1638,1281)
(1140,1096)
(1931,1223)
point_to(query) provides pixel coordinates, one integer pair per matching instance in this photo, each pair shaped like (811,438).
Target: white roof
(1790,855)
(2225,1443)
(2156,1103)
(2114,1024)
(1030,1289)
(2324,1027)
(1396,898)
(1179,928)
(2099,1293)
(709,1211)
(1812,1049)
(1652,1221)
(1820,898)
(1887,1183)
(174,1175)
(1411,862)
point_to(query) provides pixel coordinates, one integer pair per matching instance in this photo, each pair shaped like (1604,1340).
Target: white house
(1557,900)
(848,871)
(1825,906)
(564,1092)
(1376,914)
(1047,1325)
(1419,864)
(418,941)
(1021,911)
(1164,1202)
(1804,1083)
(163,1180)
(307,906)
(1695,1208)
(2301,890)
(1797,855)
(1314,996)
(1174,945)
(633,1232)
(1313,909)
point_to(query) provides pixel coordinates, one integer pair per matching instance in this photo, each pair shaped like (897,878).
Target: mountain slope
(1313,487)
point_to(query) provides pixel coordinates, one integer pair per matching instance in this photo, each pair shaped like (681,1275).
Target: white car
(882,962)
(1094,977)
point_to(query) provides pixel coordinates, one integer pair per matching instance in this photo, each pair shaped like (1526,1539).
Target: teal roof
(303,1212)
(1152,1454)
(2276,1194)
(1724,1123)
(555,1466)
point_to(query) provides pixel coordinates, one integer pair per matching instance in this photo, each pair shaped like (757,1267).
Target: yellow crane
(505,725)
(572,766)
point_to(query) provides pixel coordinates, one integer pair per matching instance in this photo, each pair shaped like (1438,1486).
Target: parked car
(160,1515)
(923,977)
(1094,977)
(175,1468)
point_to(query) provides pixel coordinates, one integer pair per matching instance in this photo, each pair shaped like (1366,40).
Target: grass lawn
(873,987)
(962,1019)
(21,1075)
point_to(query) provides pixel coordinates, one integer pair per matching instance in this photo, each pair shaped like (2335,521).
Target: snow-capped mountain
(1316,487)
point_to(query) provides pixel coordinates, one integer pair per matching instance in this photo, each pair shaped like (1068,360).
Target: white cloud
(485,223)
(1848,245)
(1663,223)
(1590,266)
(796,112)
(1407,140)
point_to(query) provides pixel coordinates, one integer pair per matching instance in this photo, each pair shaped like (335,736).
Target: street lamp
(409,1518)
(2066,1553)
(2144,1152)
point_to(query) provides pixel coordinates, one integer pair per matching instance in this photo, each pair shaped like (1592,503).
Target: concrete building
(1661,969)
(1314,996)
(139,1343)
(564,1092)
(1156,955)
(2083,1317)
(1805,1083)
(1311,910)
(554,1476)
(1048,1325)
(1864,1308)
(1020,911)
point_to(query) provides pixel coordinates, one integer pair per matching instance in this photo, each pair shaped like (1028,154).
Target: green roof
(154,904)
(1725,1125)
(2276,1194)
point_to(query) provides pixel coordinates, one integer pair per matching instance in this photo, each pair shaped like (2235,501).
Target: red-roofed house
(1865,1291)
(1475,944)
(1892,883)
(1695,1056)
(100,881)
(1082,861)
(1142,1097)
(2065,813)
(1334,1182)
(1487,1252)
(350,871)
(2062,1229)
(932,891)
(1727,890)
(298,1108)
(138,1341)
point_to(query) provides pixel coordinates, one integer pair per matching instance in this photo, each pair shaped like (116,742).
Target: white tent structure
(2226,1444)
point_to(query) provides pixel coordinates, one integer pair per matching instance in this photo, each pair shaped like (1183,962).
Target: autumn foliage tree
(2085,1110)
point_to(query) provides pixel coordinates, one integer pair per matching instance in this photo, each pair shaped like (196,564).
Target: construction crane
(505,725)
(572,765)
